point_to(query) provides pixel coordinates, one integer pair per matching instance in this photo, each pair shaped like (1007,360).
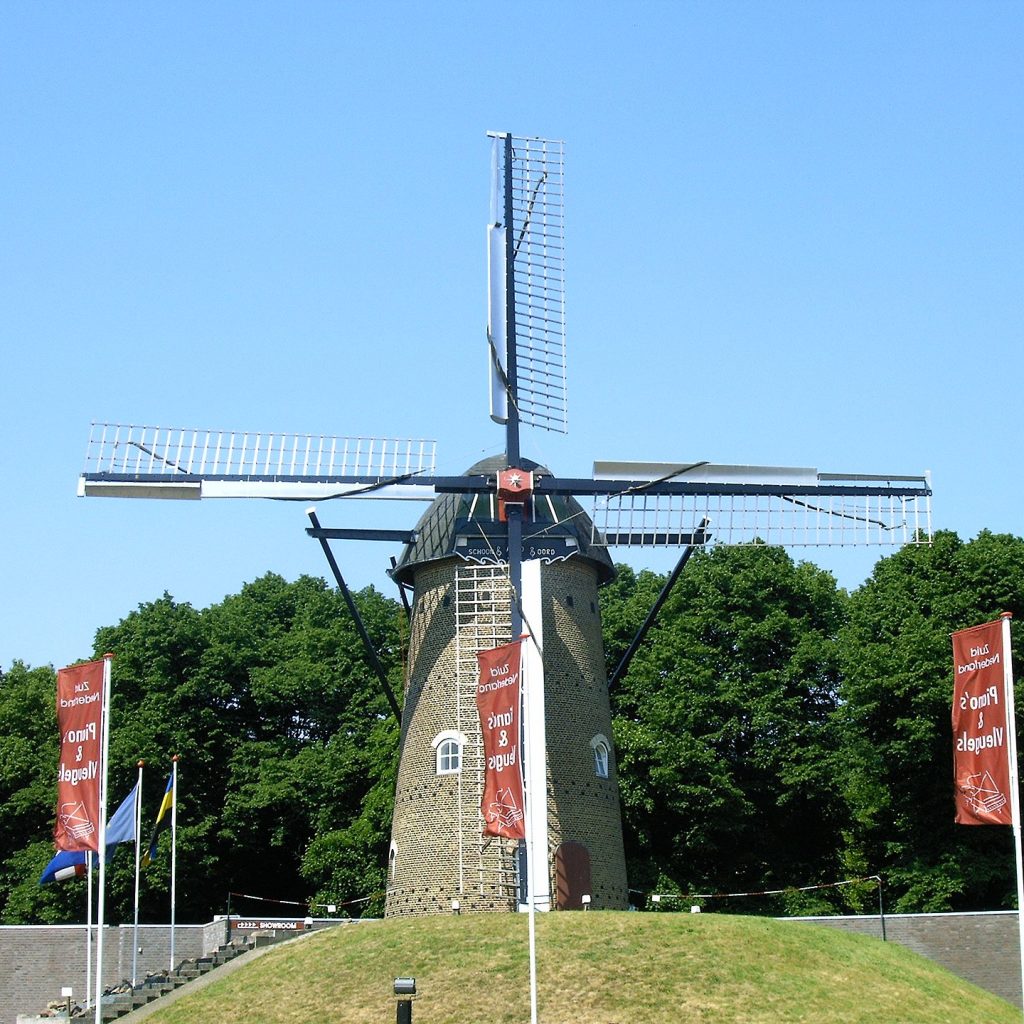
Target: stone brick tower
(438,853)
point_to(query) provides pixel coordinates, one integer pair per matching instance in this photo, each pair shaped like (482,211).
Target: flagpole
(138,833)
(104,752)
(174,844)
(531,875)
(88,930)
(1011,738)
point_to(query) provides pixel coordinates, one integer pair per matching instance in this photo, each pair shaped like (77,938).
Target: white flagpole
(174,844)
(535,762)
(104,751)
(1011,737)
(138,833)
(88,930)
(530,852)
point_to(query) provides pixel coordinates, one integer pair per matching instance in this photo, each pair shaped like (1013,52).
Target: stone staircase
(122,999)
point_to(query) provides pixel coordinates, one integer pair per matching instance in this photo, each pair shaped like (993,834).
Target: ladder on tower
(481,622)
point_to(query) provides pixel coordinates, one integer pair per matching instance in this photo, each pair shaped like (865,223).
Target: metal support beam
(700,538)
(357,618)
(401,590)
(355,533)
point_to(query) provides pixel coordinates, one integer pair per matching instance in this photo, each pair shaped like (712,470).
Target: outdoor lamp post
(405,987)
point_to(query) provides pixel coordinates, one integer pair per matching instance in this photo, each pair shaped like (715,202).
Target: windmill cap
(454,517)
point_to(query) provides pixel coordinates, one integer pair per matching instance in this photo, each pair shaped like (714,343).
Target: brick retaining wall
(983,949)
(36,961)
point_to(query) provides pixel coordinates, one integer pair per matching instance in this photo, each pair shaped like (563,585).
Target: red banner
(80,720)
(497,701)
(981,761)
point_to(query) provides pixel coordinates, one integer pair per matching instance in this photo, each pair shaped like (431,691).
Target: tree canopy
(773,731)
(725,731)
(897,733)
(282,732)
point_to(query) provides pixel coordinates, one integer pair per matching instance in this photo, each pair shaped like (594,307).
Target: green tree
(28,762)
(345,863)
(281,729)
(724,726)
(897,687)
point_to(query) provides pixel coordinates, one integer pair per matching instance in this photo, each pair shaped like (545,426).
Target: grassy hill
(593,968)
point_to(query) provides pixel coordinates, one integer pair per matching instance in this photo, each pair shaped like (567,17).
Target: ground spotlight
(405,987)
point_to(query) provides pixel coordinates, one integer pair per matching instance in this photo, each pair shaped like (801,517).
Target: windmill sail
(662,505)
(526,282)
(463,566)
(128,461)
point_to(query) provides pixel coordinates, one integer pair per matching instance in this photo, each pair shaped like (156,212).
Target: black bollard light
(405,987)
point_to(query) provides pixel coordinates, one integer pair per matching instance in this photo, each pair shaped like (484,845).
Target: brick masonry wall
(582,808)
(438,855)
(983,949)
(37,961)
(431,865)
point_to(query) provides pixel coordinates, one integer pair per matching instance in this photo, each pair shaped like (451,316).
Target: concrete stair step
(118,1006)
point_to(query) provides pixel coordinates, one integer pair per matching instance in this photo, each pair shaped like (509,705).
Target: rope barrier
(299,903)
(658,897)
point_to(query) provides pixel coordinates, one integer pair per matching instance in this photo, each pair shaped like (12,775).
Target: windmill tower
(505,549)
(462,596)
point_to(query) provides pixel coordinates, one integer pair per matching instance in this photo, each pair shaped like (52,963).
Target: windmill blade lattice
(527,281)
(775,505)
(130,461)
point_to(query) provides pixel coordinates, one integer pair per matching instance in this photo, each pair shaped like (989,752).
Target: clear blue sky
(794,237)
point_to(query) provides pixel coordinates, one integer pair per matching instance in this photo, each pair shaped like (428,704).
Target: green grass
(593,968)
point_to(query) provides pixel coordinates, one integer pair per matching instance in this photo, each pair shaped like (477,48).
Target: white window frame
(442,749)
(602,755)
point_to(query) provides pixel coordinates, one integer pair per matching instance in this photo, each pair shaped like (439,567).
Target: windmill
(507,547)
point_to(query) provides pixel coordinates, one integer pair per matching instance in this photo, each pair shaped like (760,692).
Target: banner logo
(981,764)
(498,701)
(80,720)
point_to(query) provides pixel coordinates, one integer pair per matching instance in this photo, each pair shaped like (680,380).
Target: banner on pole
(80,721)
(981,760)
(498,702)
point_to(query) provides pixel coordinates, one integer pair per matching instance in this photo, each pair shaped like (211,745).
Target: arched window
(602,749)
(448,748)
(392,858)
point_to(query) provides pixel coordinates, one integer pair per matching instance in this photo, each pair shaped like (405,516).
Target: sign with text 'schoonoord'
(981,763)
(80,720)
(497,701)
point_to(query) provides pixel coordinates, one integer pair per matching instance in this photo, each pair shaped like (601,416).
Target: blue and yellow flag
(163,821)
